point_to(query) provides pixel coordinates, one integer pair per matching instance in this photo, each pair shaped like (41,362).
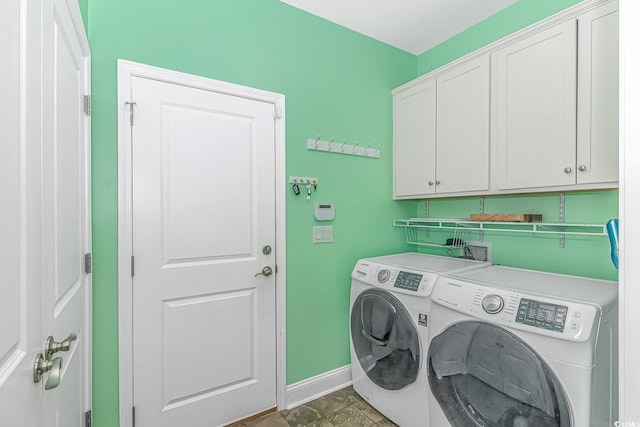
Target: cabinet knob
(582,168)
(567,170)
(430,182)
(437,182)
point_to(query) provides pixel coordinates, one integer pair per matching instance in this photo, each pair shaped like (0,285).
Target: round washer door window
(385,339)
(483,375)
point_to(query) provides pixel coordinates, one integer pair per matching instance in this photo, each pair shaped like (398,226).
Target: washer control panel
(525,311)
(396,279)
(542,315)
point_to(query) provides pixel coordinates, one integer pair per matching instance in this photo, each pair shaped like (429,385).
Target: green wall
(582,255)
(503,23)
(84,11)
(337,84)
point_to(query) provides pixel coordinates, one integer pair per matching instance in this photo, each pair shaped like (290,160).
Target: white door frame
(629,273)
(126,71)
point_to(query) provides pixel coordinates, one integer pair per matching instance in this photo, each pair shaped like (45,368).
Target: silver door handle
(42,365)
(267,271)
(52,346)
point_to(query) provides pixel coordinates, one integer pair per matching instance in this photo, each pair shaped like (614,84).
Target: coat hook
(315,143)
(342,146)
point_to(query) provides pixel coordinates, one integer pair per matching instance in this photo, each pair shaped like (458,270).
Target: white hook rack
(343,148)
(303,180)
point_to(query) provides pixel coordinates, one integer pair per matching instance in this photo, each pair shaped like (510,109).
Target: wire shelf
(417,229)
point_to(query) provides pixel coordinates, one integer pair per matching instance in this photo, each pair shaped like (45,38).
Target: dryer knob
(493,304)
(383,275)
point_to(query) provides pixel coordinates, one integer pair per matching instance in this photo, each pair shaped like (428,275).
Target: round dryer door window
(385,339)
(483,375)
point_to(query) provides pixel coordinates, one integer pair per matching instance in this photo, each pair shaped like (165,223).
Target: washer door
(483,375)
(385,339)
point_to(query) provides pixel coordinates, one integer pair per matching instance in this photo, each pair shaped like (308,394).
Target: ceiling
(414,26)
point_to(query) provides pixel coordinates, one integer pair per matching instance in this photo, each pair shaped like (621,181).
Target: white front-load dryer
(390,306)
(521,348)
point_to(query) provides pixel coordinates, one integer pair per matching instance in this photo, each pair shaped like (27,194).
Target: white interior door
(203,214)
(65,206)
(44,220)
(20,300)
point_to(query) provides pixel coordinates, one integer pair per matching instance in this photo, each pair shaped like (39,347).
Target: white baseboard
(318,386)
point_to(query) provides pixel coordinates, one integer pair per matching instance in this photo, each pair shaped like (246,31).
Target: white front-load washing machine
(389,317)
(517,348)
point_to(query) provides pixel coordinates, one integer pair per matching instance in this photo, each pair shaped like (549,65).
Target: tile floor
(342,408)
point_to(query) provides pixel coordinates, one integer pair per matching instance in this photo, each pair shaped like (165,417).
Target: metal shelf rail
(417,229)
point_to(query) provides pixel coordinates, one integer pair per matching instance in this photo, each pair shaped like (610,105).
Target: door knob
(52,347)
(567,170)
(267,271)
(582,168)
(42,365)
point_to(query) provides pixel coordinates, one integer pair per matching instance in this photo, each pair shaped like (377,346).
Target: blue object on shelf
(612,230)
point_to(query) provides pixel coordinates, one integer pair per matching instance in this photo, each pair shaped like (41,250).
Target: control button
(383,275)
(576,314)
(492,304)
(574,326)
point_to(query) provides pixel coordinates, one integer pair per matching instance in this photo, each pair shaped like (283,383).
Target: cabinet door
(534,91)
(597,147)
(462,149)
(414,140)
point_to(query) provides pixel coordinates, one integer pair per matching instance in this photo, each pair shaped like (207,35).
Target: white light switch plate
(323,234)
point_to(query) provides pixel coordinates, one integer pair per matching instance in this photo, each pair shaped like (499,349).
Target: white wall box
(548,122)
(441,133)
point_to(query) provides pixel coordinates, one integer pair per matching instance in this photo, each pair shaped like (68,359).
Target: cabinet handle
(430,182)
(437,182)
(567,170)
(582,168)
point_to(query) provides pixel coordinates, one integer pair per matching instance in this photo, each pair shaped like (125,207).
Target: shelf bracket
(426,215)
(561,218)
(481,232)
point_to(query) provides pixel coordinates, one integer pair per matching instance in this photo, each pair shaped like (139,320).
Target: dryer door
(483,375)
(385,339)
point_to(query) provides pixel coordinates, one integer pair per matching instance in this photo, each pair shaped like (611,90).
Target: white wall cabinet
(441,133)
(549,121)
(414,140)
(462,144)
(597,144)
(534,94)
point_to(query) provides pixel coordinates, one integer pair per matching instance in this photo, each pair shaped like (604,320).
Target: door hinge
(133,416)
(87,263)
(277,112)
(130,104)
(87,104)
(87,418)
(132,265)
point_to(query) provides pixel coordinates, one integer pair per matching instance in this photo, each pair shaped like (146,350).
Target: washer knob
(383,275)
(492,304)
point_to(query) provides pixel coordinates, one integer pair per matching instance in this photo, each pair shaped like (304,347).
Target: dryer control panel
(395,279)
(540,314)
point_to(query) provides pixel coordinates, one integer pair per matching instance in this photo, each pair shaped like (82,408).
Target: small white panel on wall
(323,234)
